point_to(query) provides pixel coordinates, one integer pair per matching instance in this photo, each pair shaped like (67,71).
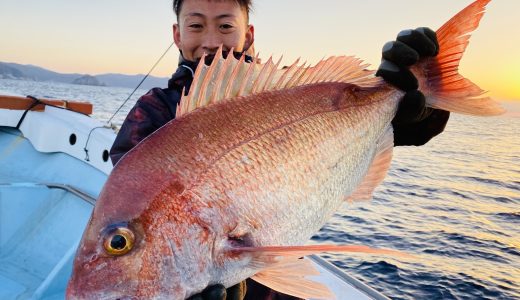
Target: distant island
(35,73)
(88,80)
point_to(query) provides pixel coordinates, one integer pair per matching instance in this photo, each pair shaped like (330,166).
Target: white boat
(53,164)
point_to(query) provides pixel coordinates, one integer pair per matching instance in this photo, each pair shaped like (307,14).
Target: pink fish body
(256,162)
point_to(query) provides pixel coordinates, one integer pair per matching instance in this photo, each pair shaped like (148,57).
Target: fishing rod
(108,123)
(140,83)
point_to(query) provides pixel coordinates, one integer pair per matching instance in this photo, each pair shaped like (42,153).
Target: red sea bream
(256,162)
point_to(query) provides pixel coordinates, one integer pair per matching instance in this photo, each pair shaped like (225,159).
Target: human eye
(227,27)
(195,26)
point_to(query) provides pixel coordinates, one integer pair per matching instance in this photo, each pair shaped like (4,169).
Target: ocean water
(453,204)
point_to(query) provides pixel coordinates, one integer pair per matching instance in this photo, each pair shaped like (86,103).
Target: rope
(35,102)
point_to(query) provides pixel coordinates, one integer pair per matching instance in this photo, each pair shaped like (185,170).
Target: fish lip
(114,297)
(106,296)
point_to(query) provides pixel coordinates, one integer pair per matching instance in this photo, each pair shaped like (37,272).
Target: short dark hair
(246,5)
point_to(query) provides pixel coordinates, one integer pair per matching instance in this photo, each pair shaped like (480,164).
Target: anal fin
(290,277)
(283,271)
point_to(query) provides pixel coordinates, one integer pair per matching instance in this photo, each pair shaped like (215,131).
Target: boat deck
(43,212)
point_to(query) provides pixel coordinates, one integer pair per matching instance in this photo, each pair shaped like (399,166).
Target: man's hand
(414,124)
(219,292)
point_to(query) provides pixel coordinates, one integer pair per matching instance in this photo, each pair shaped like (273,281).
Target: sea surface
(454,204)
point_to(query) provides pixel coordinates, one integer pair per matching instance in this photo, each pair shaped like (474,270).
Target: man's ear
(250,36)
(177,35)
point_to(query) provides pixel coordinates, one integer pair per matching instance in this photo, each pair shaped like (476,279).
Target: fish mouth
(102,296)
(117,298)
(114,296)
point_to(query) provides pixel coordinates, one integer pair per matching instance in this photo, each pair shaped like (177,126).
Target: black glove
(414,124)
(219,292)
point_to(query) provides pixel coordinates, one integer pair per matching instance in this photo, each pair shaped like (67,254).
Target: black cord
(36,101)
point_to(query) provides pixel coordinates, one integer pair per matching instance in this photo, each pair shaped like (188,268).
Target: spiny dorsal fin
(229,77)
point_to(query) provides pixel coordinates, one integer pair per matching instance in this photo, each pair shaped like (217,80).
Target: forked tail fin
(444,87)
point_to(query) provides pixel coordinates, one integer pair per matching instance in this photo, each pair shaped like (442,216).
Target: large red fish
(257,160)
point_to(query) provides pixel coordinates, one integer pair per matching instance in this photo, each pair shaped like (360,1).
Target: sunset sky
(127,36)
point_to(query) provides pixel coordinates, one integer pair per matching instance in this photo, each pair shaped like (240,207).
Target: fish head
(155,248)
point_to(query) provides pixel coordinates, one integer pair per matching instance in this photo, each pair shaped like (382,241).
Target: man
(204,25)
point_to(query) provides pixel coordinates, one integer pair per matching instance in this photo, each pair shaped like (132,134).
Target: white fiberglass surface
(38,229)
(20,162)
(40,222)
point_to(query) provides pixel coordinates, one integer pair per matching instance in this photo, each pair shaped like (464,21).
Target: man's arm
(149,114)
(414,124)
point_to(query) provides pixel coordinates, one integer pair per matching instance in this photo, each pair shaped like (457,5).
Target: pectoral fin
(378,170)
(279,252)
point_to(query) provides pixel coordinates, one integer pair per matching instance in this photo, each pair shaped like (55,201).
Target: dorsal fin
(229,77)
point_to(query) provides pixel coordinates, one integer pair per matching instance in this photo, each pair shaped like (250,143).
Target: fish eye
(119,241)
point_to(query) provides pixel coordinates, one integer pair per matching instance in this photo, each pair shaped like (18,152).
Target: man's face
(204,25)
